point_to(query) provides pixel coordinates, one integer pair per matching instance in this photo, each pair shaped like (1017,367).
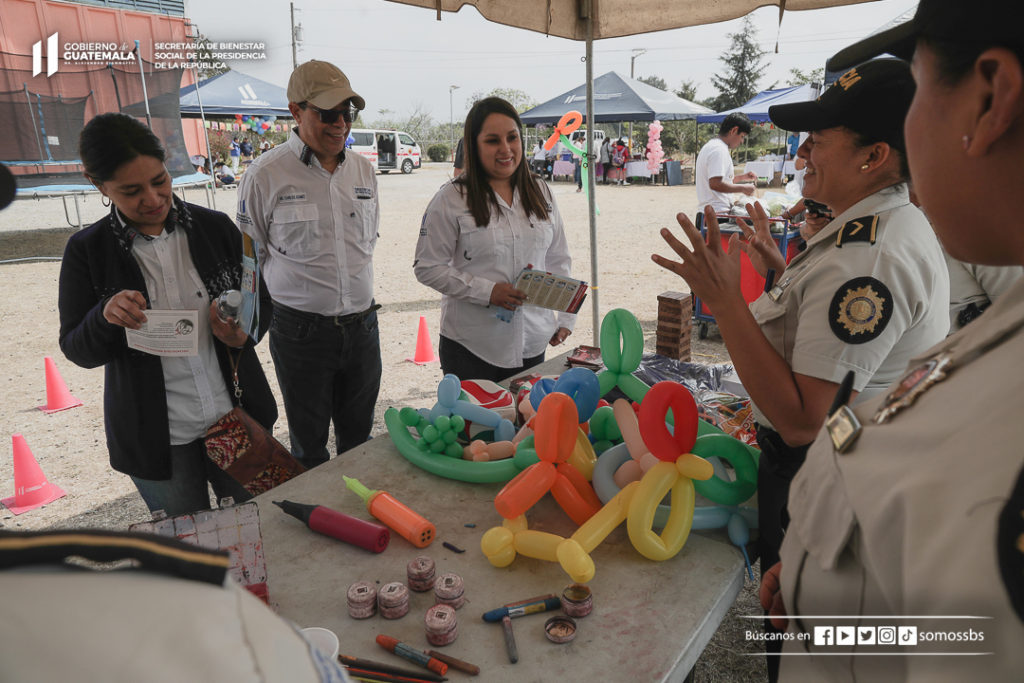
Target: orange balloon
(574,494)
(557,425)
(525,489)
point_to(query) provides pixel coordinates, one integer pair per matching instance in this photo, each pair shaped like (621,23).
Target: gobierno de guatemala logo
(78,53)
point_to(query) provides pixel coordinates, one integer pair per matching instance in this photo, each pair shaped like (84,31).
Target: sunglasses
(329,116)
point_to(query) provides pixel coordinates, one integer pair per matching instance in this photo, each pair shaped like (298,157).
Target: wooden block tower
(675,311)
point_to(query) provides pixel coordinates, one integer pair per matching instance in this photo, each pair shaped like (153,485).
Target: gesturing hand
(759,244)
(712,272)
(125,309)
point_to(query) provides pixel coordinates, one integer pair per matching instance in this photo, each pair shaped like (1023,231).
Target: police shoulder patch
(860,310)
(858,230)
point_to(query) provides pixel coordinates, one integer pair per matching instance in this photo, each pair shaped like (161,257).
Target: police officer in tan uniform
(869,291)
(907,535)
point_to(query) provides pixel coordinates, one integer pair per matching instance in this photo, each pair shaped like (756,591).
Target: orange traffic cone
(57,395)
(424,349)
(31,490)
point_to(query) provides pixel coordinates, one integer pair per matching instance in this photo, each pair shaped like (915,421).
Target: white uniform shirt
(714,160)
(196,393)
(904,522)
(863,307)
(970,283)
(316,230)
(464,261)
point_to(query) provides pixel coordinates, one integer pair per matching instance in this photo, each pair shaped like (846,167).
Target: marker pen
(521,610)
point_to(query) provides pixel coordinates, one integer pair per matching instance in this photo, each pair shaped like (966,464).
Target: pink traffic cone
(31,489)
(57,395)
(424,349)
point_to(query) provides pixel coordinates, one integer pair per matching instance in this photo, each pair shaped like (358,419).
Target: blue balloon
(582,386)
(540,389)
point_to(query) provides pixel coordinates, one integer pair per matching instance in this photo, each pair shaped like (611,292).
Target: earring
(105,200)
(967,141)
(865,167)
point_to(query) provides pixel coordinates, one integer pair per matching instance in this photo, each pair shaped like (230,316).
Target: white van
(387,150)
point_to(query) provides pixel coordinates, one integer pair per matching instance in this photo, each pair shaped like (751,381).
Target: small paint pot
(393,600)
(577,600)
(362,600)
(560,629)
(450,590)
(421,574)
(441,625)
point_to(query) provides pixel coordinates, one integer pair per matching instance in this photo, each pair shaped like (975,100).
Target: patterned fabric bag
(240,446)
(244,449)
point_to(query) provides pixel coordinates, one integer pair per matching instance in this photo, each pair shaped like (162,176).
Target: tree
(744,68)
(654,81)
(798,77)
(517,98)
(205,56)
(687,90)
(418,123)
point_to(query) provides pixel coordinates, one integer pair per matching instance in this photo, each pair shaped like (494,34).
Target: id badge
(843,428)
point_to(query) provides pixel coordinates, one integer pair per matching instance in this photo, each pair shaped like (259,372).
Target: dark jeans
(329,369)
(577,172)
(457,360)
(186,490)
(778,465)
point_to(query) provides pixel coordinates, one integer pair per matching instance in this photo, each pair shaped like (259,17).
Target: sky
(400,58)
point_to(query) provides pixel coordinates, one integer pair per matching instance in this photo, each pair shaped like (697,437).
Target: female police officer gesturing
(919,512)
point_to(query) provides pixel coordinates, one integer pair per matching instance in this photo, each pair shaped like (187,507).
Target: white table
(637,169)
(789,168)
(651,620)
(764,169)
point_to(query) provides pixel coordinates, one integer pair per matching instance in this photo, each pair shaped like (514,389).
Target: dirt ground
(70,446)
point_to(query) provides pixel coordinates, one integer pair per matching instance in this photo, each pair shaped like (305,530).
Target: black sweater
(97,264)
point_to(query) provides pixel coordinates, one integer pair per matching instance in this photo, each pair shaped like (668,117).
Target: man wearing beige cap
(313,211)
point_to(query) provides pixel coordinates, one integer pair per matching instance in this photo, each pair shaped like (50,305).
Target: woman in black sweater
(154,251)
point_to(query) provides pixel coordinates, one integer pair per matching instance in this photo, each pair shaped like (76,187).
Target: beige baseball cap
(321,84)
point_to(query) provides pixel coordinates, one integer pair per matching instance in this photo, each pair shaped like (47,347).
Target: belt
(336,320)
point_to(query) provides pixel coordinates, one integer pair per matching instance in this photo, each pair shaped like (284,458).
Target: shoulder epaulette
(858,230)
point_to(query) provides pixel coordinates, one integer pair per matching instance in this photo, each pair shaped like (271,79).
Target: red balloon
(653,413)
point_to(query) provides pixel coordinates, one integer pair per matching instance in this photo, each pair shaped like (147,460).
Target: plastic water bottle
(229,303)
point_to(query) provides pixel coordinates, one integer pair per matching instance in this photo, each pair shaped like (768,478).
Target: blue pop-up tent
(756,108)
(616,98)
(233,92)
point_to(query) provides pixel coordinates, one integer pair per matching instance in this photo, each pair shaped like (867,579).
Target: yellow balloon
(538,544)
(583,457)
(694,467)
(516,524)
(658,481)
(575,561)
(596,529)
(498,545)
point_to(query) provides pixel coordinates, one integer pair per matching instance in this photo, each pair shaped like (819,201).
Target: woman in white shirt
(479,231)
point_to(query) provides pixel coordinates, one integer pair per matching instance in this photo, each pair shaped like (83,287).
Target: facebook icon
(823,635)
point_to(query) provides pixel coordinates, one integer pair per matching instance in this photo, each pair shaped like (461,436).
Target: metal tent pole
(591,184)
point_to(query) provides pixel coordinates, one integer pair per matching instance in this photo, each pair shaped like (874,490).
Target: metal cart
(751,282)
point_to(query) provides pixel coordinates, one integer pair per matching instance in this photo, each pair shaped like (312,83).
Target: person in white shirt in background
(479,231)
(716,179)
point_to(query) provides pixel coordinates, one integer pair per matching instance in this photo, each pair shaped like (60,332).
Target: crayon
(454,663)
(510,639)
(381,677)
(399,648)
(381,667)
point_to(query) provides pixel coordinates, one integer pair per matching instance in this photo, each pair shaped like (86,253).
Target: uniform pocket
(294,230)
(364,216)
(291,327)
(474,240)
